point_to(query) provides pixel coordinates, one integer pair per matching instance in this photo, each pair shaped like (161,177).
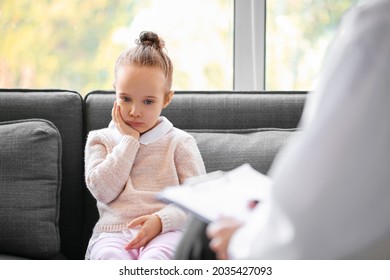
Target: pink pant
(111,246)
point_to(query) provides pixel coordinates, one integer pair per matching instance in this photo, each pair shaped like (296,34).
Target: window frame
(249,45)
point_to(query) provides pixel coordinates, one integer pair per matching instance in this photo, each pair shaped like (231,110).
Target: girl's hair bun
(150,52)
(148,38)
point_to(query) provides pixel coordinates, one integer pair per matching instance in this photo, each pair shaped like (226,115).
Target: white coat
(331,190)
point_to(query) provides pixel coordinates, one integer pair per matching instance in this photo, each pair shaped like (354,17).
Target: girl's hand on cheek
(123,128)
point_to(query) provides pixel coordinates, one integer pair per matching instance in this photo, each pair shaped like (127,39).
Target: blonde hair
(149,51)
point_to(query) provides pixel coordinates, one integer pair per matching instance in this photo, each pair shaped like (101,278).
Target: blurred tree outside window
(73,44)
(298,33)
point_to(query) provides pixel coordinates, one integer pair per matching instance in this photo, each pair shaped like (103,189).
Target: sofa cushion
(228,149)
(30,180)
(64,109)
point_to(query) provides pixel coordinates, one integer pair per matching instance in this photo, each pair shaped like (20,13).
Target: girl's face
(141,95)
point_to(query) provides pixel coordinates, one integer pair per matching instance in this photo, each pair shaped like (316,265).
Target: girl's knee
(160,252)
(110,251)
(106,253)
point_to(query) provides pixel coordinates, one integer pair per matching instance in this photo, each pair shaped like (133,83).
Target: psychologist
(331,183)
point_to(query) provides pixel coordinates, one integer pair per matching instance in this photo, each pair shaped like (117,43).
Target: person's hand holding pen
(220,232)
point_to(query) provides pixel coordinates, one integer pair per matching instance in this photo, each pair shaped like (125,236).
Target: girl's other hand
(150,227)
(123,127)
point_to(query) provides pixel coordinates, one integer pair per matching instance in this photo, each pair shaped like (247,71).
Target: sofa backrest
(251,125)
(64,109)
(212,110)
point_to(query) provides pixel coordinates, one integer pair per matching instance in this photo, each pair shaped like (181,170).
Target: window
(214,44)
(73,44)
(297,35)
(280,43)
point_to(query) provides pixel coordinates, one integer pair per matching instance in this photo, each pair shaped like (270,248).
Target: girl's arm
(189,163)
(106,172)
(188,160)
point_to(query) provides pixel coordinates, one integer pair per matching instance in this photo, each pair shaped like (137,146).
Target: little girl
(135,157)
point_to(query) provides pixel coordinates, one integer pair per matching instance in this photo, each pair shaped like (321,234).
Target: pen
(252,203)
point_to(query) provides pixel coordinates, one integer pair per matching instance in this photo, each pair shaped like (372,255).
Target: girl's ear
(168,98)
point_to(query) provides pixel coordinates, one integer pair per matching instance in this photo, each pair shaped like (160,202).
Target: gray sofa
(46,212)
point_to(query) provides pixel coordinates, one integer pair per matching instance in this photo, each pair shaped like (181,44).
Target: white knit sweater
(124,174)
